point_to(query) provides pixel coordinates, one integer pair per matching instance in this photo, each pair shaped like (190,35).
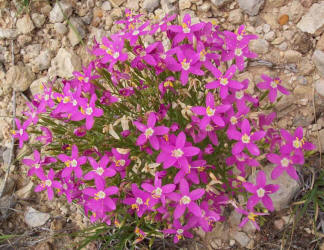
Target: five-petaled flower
(273,85)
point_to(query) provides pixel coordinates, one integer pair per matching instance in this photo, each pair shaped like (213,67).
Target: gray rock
(38,19)
(10,185)
(319,87)
(7,202)
(25,25)
(150,5)
(220,3)
(318,59)
(259,46)
(75,37)
(8,33)
(116,3)
(292,56)
(235,16)
(60,28)
(19,77)
(64,64)
(204,7)
(26,191)
(270,36)
(37,86)
(286,192)
(42,62)
(34,218)
(241,238)
(168,7)
(184,4)
(251,7)
(283,46)
(313,20)
(56,15)
(133,4)
(106,6)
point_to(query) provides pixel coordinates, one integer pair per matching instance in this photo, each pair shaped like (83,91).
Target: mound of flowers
(160,133)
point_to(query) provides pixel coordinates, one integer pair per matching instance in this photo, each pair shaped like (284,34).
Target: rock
(10,185)
(259,46)
(34,218)
(117,3)
(276,3)
(251,7)
(240,238)
(133,4)
(38,19)
(302,120)
(235,16)
(184,4)
(266,28)
(37,86)
(106,6)
(60,28)
(294,9)
(306,3)
(235,218)
(19,77)
(321,138)
(279,224)
(313,20)
(283,19)
(168,8)
(320,43)
(270,36)
(25,25)
(8,33)
(116,13)
(287,190)
(319,87)
(64,64)
(151,5)
(23,40)
(283,46)
(6,202)
(302,42)
(78,33)
(42,62)
(292,56)
(56,15)
(318,59)
(220,3)
(26,191)
(108,22)
(96,33)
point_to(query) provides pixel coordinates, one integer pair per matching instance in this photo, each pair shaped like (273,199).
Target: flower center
(100,195)
(21,131)
(239,94)
(120,163)
(185,28)
(180,231)
(224,81)
(89,111)
(157,193)
(209,128)
(100,171)
(185,200)
(260,192)
(233,120)
(135,33)
(116,55)
(74,102)
(203,55)
(48,183)
(46,97)
(274,84)
(139,201)
(245,138)
(239,37)
(149,132)
(143,53)
(210,111)
(177,153)
(185,65)
(74,163)
(252,216)
(285,162)
(37,165)
(238,52)
(168,84)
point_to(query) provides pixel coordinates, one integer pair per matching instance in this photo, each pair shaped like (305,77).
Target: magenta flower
(179,231)
(224,82)
(101,201)
(208,218)
(21,133)
(296,141)
(273,85)
(72,163)
(246,139)
(37,163)
(186,199)
(141,201)
(99,169)
(145,54)
(88,112)
(250,216)
(150,132)
(211,113)
(48,183)
(119,160)
(260,192)
(47,138)
(158,191)
(168,84)
(108,99)
(186,30)
(178,153)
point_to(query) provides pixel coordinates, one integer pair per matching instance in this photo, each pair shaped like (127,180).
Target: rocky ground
(42,40)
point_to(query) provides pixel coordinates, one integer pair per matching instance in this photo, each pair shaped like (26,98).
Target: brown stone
(283,19)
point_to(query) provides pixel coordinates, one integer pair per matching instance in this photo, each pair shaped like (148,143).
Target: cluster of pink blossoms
(190,144)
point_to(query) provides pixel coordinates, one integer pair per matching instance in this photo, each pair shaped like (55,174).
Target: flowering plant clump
(159,134)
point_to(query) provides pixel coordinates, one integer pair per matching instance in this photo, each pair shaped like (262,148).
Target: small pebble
(283,19)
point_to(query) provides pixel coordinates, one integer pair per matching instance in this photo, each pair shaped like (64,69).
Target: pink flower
(250,216)
(246,139)
(21,133)
(296,141)
(99,169)
(273,85)
(260,192)
(185,199)
(47,138)
(48,183)
(179,231)
(150,132)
